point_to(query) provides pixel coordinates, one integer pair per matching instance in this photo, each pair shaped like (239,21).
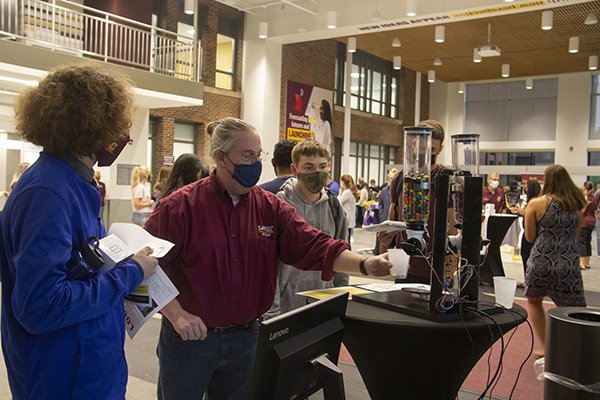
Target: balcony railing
(65,26)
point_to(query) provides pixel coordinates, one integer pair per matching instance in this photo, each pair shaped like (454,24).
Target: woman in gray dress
(552,222)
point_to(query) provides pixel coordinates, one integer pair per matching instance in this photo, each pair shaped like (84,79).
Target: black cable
(524,318)
(499,368)
(491,344)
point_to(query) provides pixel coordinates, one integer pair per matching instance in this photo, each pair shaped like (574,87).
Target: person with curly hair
(63,326)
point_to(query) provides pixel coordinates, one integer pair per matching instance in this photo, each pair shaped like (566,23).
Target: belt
(232,327)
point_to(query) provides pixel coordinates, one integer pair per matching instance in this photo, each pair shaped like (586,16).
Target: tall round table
(404,357)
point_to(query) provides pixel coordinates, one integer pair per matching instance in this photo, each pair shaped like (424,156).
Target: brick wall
(313,63)
(217,103)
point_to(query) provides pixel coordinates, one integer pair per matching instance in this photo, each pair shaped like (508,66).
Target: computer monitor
(297,352)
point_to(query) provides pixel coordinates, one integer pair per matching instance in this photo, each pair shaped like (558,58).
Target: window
(225,67)
(516,158)
(595,109)
(369,161)
(593,158)
(184,140)
(504,111)
(373,86)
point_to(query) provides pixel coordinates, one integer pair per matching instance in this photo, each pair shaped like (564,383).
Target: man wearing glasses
(229,235)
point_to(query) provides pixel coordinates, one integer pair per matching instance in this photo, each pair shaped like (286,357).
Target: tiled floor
(141,352)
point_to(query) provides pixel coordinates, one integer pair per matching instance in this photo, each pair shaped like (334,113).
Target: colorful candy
(415,199)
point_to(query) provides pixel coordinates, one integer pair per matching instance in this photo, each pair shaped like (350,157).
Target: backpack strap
(334,205)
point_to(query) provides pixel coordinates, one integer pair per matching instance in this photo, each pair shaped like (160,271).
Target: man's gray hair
(222,133)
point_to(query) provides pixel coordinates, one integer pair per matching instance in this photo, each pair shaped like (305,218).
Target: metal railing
(62,25)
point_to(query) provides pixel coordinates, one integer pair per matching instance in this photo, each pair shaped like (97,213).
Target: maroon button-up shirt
(496,198)
(224,262)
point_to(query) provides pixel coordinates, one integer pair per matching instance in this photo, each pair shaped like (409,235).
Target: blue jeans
(220,365)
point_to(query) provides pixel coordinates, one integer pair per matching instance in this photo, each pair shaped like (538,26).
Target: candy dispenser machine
(416,187)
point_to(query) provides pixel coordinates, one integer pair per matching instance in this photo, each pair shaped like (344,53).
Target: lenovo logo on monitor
(280,333)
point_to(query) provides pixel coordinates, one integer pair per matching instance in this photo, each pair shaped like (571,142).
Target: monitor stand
(333,380)
(409,303)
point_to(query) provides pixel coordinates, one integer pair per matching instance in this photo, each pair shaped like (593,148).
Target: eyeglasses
(250,157)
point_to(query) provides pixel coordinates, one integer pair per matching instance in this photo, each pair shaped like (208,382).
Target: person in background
(374,189)
(187,169)
(281,161)
(21,167)
(63,325)
(493,194)
(419,270)
(533,190)
(229,235)
(323,211)
(587,225)
(552,222)
(348,197)
(141,203)
(363,197)
(161,181)
(332,185)
(513,195)
(102,189)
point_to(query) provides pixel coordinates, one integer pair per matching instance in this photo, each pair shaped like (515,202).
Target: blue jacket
(62,339)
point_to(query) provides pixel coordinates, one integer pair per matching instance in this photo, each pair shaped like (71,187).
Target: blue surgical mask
(246,175)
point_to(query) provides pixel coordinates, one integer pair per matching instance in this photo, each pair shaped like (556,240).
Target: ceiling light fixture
(437,62)
(529,83)
(331,19)
(591,19)
(431,76)
(351,45)
(411,8)
(593,62)
(396,42)
(489,50)
(461,87)
(440,34)
(476,56)
(188,6)
(508,1)
(397,62)
(263,30)
(574,44)
(376,16)
(505,70)
(301,28)
(547,17)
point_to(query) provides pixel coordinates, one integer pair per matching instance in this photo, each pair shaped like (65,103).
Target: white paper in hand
(137,238)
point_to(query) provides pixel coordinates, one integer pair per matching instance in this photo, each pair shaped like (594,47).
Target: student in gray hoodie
(306,191)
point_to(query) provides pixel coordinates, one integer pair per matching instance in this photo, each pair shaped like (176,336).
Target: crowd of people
(241,252)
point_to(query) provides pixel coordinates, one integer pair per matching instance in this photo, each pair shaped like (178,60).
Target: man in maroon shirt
(493,193)
(228,236)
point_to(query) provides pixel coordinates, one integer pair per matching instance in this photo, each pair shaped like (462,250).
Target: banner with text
(308,113)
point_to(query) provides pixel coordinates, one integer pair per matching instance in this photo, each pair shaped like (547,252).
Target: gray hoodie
(320,216)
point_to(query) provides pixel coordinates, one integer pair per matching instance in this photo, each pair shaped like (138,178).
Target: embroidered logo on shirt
(266,231)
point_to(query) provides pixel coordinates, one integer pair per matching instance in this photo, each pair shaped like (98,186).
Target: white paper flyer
(123,241)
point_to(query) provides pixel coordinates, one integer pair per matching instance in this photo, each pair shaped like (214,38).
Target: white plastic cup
(399,259)
(504,290)
(490,209)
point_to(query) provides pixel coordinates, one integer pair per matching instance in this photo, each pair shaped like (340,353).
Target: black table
(497,227)
(403,357)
